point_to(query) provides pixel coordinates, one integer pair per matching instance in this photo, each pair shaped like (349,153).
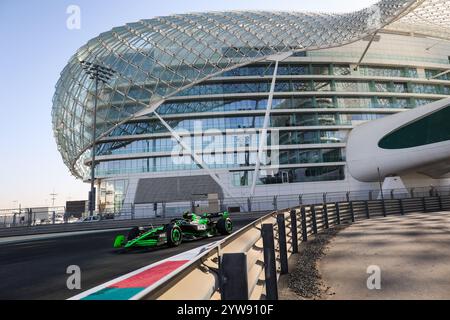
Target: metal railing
(57,215)
(26,217)
(248,264)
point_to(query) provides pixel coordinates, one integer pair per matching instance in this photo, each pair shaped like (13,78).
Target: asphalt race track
(37,269)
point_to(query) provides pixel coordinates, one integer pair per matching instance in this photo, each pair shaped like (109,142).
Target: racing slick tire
(174,235)
(225,226)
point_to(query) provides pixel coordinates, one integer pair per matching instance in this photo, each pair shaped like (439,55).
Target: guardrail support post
(275,205)
(440,203)
(424,204)
(383,207)
(270,267)
(338,214)
(392,194)
(249,204)
(402,209)
(352,212)
(314,220)
(294,231)
(233,272)
(325,215)
(282,243)
(300,200)
(304,228)
(366,204)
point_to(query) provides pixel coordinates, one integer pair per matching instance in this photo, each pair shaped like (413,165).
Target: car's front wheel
(225,226)
(174,235)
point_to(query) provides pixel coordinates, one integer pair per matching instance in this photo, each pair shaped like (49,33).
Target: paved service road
(37,269)
(412,251)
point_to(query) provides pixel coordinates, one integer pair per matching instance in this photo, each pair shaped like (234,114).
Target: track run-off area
(35,269)
(410,254)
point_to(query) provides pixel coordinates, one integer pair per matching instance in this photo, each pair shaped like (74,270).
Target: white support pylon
(263,135)
(196,157)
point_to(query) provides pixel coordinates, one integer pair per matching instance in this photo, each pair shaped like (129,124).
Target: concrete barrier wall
(99,225)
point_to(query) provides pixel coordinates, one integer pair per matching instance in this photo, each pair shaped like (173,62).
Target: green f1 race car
(190,227)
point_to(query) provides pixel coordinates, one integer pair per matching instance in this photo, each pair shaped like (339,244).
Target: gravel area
(305,280)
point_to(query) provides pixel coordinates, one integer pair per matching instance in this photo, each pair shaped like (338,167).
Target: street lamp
(104,74)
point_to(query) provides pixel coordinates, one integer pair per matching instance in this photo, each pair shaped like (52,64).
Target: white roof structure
(160,57)
(426,17)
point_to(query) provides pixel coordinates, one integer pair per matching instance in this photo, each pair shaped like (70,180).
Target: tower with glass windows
(210,80)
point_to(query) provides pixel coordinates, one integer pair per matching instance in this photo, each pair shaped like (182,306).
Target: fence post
(53,217)
(383,207)
(366,204)
(338,214)
(30,217)
(300,200)
(249,204)
(440,202)
(348,196)
(133,211)
(275,205)
(402,209)
(370,195)
(270,268)
(325,215)
(424,204)
(282,243)
(392,194)
(304,228)
(234,280)
(352,211)
(313,218)
(294,231)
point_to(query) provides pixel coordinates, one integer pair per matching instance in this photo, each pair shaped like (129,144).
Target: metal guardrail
(98,225)
(248,264)
(28,217)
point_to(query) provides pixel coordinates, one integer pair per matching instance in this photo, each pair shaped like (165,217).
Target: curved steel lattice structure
(158,58)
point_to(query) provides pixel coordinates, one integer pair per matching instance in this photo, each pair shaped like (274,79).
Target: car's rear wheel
(225,226)
(174,235)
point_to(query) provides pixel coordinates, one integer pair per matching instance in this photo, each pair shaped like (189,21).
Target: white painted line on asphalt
(22,239)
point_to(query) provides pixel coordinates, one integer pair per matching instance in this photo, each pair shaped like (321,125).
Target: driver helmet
(141,229)
(187,215)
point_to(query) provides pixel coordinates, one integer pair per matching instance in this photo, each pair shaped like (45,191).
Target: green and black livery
(190,227)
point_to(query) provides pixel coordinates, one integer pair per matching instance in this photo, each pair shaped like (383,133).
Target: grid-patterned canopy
(157,58)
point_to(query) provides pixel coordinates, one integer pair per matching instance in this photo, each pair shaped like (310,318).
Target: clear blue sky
(36,45)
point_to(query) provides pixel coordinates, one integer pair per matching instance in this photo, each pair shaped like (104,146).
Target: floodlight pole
(97,73)
(92,195)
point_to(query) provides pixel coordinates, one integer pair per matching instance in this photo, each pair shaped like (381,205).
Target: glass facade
(208,77)
(157,59)
(431,129)
(215,120)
